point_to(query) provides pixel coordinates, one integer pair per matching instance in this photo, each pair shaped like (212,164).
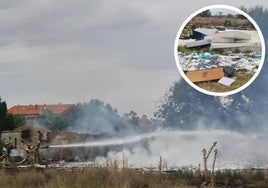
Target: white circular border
(177,57)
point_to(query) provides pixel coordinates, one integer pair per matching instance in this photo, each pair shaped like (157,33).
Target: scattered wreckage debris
(229,70)
(226,81)
(238,50)
(205,75)
(234,61)
(200,67)
(243,40)
(198,43)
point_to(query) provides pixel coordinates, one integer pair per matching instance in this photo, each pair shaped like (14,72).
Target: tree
(8,121)
(94,116)
(205,13)
(180,105)
(3,115)
(240,16)
(185,108)
(133,118)
(260,15)
(230,16)
(52,121)
(18,120)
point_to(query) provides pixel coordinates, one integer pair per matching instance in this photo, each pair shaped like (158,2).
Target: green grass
(241,78)
(185,50)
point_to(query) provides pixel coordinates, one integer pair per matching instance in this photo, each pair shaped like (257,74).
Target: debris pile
(230,39)
(235,61)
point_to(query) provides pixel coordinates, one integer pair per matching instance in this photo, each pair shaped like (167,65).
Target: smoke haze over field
(183,148)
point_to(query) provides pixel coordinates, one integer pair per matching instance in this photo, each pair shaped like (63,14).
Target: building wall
(19,139)
(13,137)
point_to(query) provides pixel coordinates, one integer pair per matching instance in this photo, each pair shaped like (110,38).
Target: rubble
(195,61)
(229,71)
(226,81)
(243,40)
(205,74)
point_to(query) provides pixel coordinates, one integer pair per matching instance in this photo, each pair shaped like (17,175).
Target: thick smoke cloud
(183,148)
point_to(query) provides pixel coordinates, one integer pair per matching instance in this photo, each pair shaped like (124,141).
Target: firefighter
(28,148)
(29,153)
(4,156)
(32,154)
(35,151)
(28,157)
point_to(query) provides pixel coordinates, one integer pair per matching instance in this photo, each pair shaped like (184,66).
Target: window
(15,143)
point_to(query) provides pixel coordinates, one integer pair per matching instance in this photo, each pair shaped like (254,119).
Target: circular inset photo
(219,50)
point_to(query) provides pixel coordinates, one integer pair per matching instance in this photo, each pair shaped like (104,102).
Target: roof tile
(37,109)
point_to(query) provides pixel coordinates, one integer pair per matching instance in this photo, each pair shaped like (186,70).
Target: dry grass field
(102,177)
(216,21)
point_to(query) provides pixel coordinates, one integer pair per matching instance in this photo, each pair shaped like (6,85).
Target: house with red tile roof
(31,112)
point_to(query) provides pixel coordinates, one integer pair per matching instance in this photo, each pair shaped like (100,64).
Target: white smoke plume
(183,148)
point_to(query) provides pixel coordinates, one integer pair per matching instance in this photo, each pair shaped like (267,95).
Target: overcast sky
(121,52)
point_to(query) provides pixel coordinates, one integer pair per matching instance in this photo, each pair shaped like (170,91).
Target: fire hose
(3,156)
(23,160)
